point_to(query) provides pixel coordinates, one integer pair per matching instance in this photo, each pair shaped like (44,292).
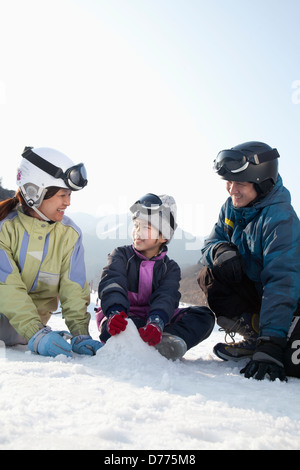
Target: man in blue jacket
(251,274)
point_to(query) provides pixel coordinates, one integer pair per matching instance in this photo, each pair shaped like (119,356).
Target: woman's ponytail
(10,204)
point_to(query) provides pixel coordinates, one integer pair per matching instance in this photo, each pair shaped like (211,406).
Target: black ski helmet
(254,162)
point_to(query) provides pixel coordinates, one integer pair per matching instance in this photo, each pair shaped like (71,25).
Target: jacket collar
(278,194)
(32,224)
(160,256)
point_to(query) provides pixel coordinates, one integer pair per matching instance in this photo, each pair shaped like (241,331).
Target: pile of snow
(130,397)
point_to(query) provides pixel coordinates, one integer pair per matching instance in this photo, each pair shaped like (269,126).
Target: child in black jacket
(141,282)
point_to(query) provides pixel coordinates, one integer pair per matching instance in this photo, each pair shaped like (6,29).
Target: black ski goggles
(235,161)
(151,203)
(75,177)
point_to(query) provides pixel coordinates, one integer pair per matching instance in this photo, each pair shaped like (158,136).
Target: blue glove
(84,344)
(50,343)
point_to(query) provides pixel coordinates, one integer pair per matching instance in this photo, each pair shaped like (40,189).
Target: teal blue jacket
(267,236)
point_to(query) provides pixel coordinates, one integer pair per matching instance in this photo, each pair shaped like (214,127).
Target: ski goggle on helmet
(75,177)
(235,161)
(159,211)
(151,203)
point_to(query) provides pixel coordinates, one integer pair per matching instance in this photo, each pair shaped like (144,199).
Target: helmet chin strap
(40,214)
(32,195)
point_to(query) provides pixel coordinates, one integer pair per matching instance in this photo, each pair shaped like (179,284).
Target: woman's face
(54,208)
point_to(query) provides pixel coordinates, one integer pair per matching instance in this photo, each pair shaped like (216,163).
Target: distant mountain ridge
(5,193)
(102,234)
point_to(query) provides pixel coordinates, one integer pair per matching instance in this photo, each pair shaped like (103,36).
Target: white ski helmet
(43,167)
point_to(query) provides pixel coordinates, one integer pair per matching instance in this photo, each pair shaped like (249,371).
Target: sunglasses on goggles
(234,161)
(74,177)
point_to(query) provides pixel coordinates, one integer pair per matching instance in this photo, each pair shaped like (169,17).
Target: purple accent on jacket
(140,301)
(99,315)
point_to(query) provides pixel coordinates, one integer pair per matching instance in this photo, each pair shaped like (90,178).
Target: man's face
(242,193)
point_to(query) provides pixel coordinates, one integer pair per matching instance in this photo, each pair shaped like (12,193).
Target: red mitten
(151,334)
(116,322)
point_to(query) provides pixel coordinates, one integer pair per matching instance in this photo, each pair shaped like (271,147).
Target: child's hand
(116,322)
(151,333)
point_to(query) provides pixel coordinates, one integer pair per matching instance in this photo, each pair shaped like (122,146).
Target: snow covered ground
(128,397)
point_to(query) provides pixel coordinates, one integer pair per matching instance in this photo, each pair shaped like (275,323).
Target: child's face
(146,238)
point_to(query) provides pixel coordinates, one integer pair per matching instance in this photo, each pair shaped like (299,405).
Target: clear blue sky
(146,92)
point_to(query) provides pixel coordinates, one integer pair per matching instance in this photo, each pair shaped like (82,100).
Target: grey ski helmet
(160,211)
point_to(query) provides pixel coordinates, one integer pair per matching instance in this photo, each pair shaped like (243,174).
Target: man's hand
(228,263)
(267,360)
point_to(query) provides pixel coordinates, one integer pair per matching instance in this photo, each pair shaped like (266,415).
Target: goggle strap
(266,156)
(41,163)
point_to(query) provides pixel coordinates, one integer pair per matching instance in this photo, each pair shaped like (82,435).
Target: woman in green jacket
(42,258)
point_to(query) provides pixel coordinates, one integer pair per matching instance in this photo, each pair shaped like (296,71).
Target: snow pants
(8,334)
(233,299)
(228,299)
(192,324)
